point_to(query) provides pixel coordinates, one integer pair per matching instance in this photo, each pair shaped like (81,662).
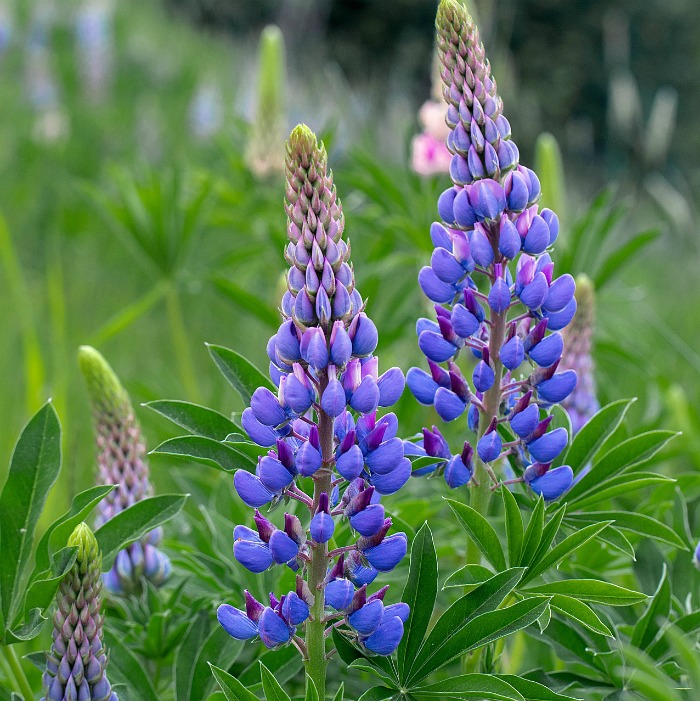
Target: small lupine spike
(582,403)
(265,152)
(121,460)
(76,664)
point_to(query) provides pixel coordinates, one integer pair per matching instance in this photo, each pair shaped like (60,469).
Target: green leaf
(422,461)
(420,594)
(125,668)
(533,691)
(205,642)
(43,589)
(468,576)
(549,532)
(206,451)
(563,549)
(376,693)
(647,626)
(339,694)
(232,688)
(593,590)
(533,533)
(133,523)
(485,629)
(622,484)
(481,532)
(194,418)
(595,432)
(241,374)
(689,623)
(273,691)
(624,254)
(635,523)
(36,462)
(311,691)
(578,611)
(470,686)
(485,597)
(33,623)
(248,302)
(57,534)
(630,453)
(514,527)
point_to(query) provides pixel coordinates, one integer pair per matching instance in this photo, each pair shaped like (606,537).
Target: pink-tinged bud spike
(121,461)
(77,659)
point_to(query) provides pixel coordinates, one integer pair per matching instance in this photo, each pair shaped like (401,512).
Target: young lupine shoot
(321,425)
(265,152)
(496,297)
(76,664)
(582,403)
(121,461)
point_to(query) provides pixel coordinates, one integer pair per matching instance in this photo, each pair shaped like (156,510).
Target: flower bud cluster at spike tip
(582,403)
(511,322)
(323,424)
(76,663)
(121,460)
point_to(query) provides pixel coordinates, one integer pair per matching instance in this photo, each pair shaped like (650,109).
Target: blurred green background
(131,220)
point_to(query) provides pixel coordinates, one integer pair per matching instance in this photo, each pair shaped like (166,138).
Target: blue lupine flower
(328,382)
(493,227)
(551,484)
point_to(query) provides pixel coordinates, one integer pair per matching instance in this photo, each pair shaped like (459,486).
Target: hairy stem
(17,672)
(315,639)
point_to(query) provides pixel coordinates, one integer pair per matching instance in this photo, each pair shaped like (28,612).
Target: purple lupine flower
(322,424)
(582,403)
(76,664)
(696,557)
(121,460)
(491,226)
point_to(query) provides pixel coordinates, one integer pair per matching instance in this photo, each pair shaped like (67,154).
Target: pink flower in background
(429,152)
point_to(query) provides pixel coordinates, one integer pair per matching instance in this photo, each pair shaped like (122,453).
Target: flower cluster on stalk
(322,429)
(492,281)
(122,462)
(76,663)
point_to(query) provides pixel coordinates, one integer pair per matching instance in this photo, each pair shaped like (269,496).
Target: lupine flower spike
(121,461)
(582,403)
(322,425)
(76,663)
(491,279)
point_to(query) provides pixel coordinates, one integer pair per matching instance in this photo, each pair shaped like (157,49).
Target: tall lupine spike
(322,425)
(265,152)
(121,461)
(582,403)
(76,664)
(492,227)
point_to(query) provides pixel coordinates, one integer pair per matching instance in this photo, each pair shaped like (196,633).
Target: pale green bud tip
(107,395)
(88,549)
(585,291)
(452,15)
(303,146)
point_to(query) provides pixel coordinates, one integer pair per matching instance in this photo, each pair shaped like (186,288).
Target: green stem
(316,661)
(18,673)
(181,344)
(481,493)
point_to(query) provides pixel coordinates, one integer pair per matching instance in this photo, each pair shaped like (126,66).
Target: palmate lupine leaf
(481,532)
(241,374)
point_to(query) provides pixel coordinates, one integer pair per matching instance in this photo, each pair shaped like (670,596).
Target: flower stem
(316,661)
(481,494)
(17,672)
